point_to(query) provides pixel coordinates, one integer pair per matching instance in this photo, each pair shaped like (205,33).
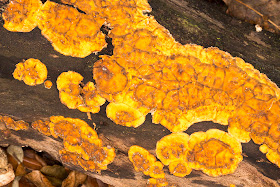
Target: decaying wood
(188,22)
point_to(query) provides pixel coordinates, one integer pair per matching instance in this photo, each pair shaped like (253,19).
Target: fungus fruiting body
(82,146)
(9,123)
(31,71)
(124,115)
(42,127)
(172,147)
(179,168)
(151,72)
(153,182)
(68,84)
(21,15)
(72,95)
(145,162)
(214,152)
(71,32)
(48,84)
(91,99)
(142,160)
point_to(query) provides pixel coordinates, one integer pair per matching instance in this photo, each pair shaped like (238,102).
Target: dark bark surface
(189,21)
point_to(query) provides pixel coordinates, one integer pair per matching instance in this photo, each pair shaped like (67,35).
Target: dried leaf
(74,179)
(16,181)
(20,171)
(262,12)
(16,152)
(6,170)
(40,160)
(102,184)
(38,179)
(12,161)
(23,182)
(55,181)
(33,161)
(3,159)
(91,182)
(6,175)
(55,171)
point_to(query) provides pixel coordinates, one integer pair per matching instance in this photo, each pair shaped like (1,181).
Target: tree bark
(189,21)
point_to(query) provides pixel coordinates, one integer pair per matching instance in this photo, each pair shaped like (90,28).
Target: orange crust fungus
(82,146)
(191,85)
(71,94)
(42,127)
(214,152)
(71,32)
(153,182)
(21,15)
(151,72)
(68,85)
(171,151)
(48,84)
(145,162)
(92,100)
(9,123)
(31,71)
(179,168)
(124,115)
(172,147)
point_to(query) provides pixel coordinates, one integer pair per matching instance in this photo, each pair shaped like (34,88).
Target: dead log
(189,22)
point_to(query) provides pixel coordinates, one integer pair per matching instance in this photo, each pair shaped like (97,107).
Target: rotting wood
(188,24)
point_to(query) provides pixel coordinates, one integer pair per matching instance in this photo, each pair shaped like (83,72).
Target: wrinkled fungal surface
(71,32)
(184,84)
(172,147)
(215,152)
(72,95)
(124,115)
(82,147)
(154,182)
(180,168)
(21,15)
(7,122)
(48,84)
(149,72)
(31,71)
(145,162)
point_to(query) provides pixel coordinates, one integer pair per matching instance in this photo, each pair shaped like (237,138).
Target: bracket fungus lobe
(154,182)
(71,94)
(214,152)
(124,115)
(71,32)
(145,162)
(151,72)
(9,123)
(48,84)
(172,147)
(31,71)
(142,160)
(179,168)
(82,146)
(21,15)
